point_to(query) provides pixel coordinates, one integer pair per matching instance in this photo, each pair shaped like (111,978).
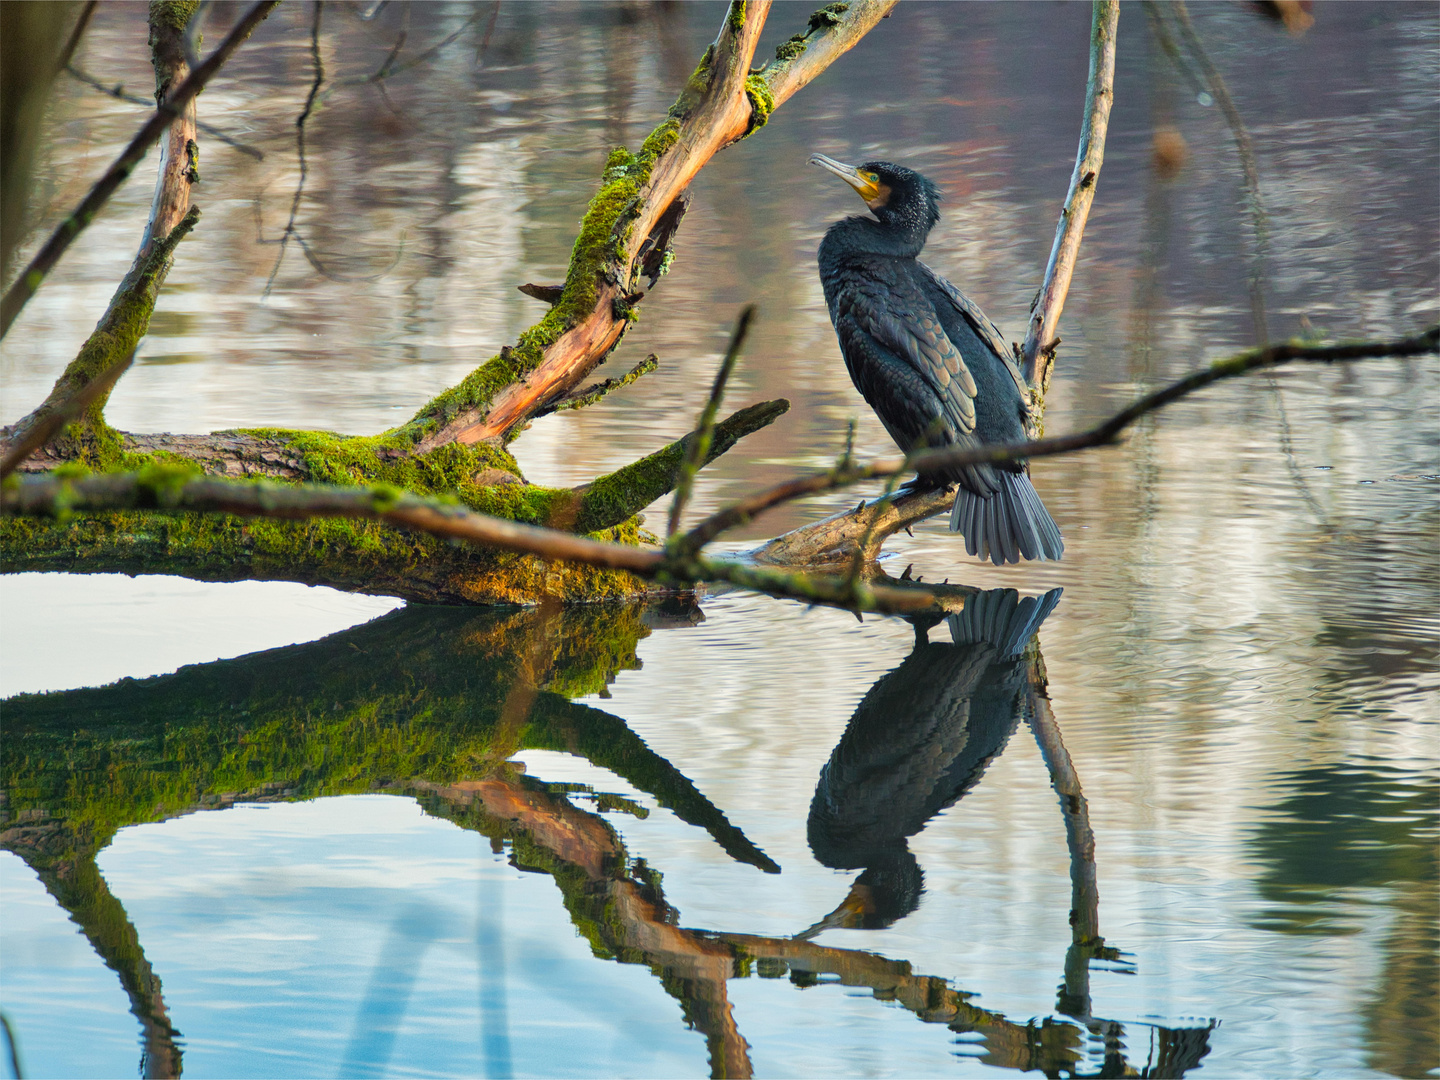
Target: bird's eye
(870,176)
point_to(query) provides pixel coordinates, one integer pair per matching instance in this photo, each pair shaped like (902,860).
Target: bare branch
(390,68)
(118,93)
(29,280)
(1038,352)
(81,24)
(318,65)
(1245,149)
(844,534)
(932,460)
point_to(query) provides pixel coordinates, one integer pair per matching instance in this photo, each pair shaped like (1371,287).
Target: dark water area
(1167,807)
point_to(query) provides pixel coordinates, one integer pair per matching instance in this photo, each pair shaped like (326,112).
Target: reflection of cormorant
(935,370)
(918,741)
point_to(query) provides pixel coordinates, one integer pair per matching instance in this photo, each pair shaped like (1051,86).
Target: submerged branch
(29,280)
(1038,352)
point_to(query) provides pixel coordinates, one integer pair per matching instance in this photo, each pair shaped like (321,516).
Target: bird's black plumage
(936,371)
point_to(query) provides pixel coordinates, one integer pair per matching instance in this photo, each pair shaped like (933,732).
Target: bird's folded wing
(902,320)
(986,330)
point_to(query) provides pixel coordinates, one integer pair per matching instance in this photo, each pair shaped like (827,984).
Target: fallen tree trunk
(456,445)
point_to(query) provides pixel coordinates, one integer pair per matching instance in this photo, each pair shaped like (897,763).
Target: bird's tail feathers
(1002,618)
(1007,526)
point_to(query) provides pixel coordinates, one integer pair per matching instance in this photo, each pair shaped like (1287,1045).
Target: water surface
(539,843)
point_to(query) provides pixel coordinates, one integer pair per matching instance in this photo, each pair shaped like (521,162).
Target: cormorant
(936,371)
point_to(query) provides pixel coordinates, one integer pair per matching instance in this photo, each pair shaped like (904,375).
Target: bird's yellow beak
(867,184)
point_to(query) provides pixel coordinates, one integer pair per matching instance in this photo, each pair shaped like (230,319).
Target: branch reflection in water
(426,703)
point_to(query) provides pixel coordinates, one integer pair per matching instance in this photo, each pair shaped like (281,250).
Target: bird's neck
(866,236)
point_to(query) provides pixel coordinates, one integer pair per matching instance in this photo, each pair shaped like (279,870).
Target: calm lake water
(744,836)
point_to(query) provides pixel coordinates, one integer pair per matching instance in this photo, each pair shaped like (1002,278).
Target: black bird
(936,371)
(919,740)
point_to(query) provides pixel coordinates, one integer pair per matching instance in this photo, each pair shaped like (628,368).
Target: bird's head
(901,198)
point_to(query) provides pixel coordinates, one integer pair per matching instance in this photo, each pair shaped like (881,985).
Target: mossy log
(364,556)
(455,445)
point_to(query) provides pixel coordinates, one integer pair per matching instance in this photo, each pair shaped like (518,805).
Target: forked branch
(627,226)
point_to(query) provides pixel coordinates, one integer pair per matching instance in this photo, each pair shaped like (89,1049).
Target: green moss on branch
(762,103)
(598,255)
(613,498)
(353,555)
(116,336)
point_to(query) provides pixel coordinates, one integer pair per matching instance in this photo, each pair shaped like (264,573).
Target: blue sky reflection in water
(1243,663)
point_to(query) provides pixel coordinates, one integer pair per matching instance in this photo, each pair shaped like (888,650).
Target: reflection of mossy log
(418,695)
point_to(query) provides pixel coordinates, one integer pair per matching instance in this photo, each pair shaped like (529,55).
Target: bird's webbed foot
(918,485)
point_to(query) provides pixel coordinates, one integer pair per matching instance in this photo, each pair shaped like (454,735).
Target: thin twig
(485,40)
(319,66)
(118,93)
(1037,353)
(934,460)
(705,430)
(1246,150)
(68,52)
(190,41)
(29,280)
(589,395)
(389,69)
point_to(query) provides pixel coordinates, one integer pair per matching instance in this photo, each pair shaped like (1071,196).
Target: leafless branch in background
(318,65)
(30,279)
(1037,354)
